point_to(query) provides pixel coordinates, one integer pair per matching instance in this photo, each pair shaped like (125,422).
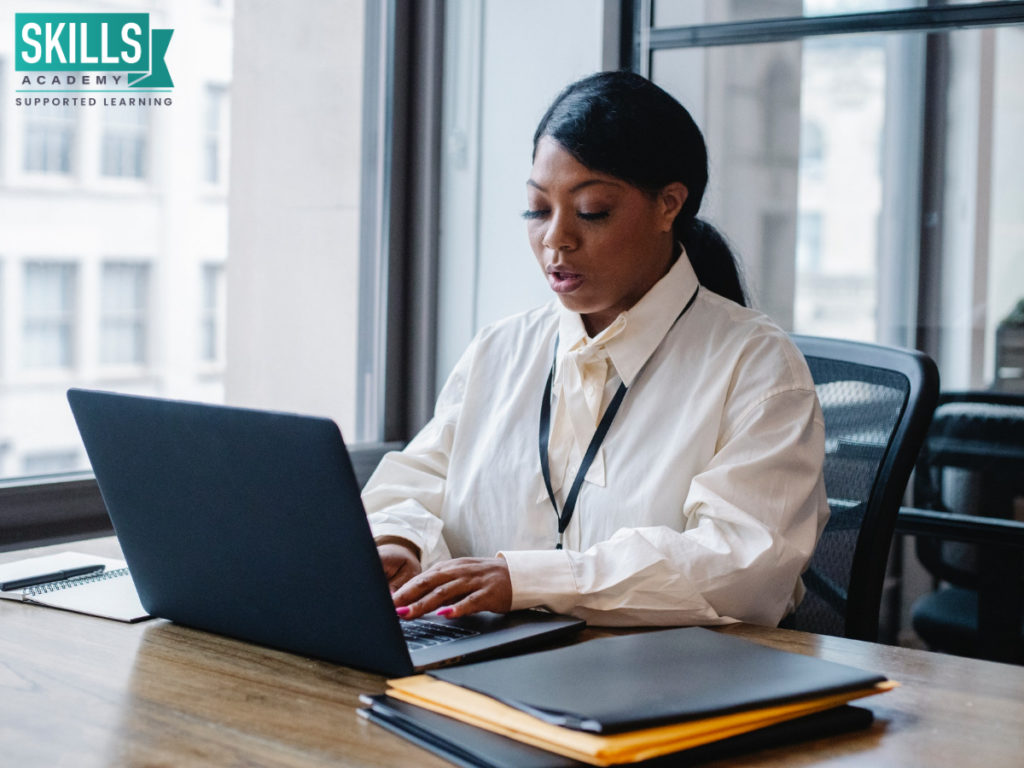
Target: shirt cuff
(392,529)
(541,578)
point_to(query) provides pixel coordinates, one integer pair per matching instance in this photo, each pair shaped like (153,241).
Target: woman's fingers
(400,565)
(457,587)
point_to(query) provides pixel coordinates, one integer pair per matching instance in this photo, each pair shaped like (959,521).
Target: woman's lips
(564,281)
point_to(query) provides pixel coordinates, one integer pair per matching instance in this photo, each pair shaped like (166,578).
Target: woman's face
(601,242)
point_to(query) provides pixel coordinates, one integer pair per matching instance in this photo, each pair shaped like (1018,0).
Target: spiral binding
(57,586)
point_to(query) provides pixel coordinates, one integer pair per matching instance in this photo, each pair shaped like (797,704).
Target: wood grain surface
(82,691)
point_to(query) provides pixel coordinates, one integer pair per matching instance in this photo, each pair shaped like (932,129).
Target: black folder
(653,678)
(472,747)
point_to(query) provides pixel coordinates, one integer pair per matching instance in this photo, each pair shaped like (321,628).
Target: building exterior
(113,235)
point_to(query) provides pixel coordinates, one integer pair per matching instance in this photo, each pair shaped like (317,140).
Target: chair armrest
(366,456)
(966,528)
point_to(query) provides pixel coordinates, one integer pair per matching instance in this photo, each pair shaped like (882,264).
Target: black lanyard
(595,442)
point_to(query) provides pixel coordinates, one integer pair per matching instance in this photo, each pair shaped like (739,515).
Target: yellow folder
(632,746)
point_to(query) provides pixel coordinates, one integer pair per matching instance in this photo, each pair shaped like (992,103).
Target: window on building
(49,138)
(125,142)
(124,314)
(214,161)
(211,331)
(50,462)
(48,339)
(812,148)
(808,241)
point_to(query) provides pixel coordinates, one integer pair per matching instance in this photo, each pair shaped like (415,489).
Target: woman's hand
(400,560)
(457,587)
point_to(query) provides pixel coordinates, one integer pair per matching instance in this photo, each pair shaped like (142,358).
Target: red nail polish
(446,611)
(402,610)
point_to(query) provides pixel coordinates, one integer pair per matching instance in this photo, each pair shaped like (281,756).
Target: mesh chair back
(877,402)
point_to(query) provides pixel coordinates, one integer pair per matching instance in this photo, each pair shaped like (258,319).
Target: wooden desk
(82,691)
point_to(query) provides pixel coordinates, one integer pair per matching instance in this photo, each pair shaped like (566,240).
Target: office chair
(969,473)
(877,402)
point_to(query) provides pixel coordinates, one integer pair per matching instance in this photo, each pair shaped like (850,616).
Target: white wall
(293,247)
(505,62)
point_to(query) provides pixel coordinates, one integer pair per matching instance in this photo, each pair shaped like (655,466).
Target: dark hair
(624,125)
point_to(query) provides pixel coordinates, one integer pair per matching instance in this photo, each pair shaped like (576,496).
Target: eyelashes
(530,215)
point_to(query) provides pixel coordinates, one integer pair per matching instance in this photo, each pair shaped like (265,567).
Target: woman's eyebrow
(577,188)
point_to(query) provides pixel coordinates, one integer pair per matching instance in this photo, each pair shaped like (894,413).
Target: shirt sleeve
(752,519)
(405,494)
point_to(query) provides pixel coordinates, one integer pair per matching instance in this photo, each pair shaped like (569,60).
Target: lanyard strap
(595,442)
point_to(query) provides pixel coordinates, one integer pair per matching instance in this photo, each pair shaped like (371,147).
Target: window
(49,302)
(49,139)
(812,147)
(125,142)
(312,242)
(50,462)
(214,162)
(808,241)
(124,314)
(889,123)
(211,332)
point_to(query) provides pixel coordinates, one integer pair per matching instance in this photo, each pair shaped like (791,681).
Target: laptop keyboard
(423,633)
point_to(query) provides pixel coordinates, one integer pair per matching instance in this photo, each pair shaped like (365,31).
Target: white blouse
(704,503)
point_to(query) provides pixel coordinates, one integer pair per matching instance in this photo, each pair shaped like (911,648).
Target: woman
(694,419)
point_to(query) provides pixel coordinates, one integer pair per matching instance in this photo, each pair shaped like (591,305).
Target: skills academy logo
(75,56)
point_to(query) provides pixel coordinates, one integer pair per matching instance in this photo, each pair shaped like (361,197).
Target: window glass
(49,328)
(125,141)
(126,286)
(124,312)
(49,138)
(818,151)
(50,462)
(684,13)
(212,314)
(213,134)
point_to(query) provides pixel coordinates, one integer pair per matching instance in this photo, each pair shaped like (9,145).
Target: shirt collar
(645,323)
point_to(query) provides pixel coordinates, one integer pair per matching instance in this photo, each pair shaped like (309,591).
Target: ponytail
(712,258)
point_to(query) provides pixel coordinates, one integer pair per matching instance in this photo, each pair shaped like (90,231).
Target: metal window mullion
(798,27)
(400,193)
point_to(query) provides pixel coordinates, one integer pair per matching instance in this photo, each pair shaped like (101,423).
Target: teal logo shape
(93,42)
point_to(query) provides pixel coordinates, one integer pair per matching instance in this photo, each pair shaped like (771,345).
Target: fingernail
(446,611)
(402,610)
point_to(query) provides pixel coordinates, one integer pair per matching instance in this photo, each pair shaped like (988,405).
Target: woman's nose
(560,235)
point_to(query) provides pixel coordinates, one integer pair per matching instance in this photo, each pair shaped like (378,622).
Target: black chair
(969,474)
(877,402)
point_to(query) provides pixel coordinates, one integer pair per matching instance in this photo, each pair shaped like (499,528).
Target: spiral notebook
(110,594)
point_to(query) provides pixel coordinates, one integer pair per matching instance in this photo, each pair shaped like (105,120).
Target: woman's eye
(592,215)
(534,214)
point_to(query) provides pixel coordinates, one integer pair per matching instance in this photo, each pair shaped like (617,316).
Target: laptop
(249,524)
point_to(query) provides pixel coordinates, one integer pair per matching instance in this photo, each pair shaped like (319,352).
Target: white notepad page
(110,594)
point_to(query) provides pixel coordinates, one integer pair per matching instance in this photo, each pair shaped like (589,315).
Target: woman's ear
(671,199)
